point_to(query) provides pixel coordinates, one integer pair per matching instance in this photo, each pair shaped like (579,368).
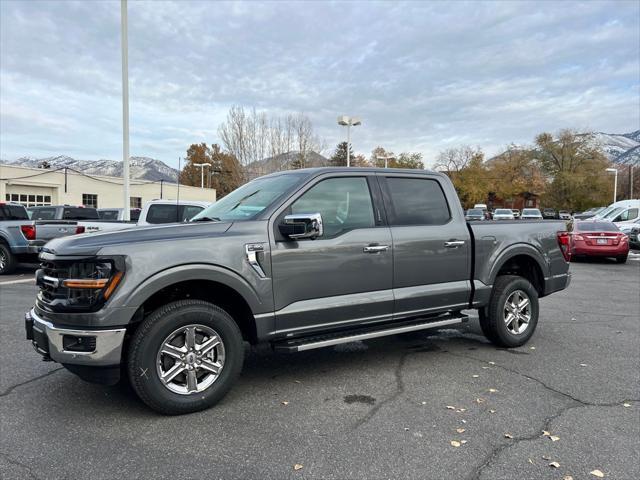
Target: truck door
(431,246)
(342,278)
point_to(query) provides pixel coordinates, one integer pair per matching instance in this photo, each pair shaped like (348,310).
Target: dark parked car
(598,238)
(588,213)
(298,260)
(549,214)
(474,214)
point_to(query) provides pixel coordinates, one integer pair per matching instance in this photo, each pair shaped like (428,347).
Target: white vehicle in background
(625,215)
(157,212)
(531,214)
(616,207)
(516,213)
(564,215)
(503,214)
(117,214)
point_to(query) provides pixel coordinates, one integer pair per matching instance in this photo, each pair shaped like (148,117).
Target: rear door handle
(375,248)
(454,243)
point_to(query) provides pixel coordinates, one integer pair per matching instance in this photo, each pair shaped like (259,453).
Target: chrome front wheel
(190,359)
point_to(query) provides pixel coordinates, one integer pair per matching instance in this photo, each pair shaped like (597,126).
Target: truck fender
(514,250)
(190,272)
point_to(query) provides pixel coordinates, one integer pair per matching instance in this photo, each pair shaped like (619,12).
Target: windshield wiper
(206,219)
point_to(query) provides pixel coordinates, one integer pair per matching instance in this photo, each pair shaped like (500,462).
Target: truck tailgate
(49,229)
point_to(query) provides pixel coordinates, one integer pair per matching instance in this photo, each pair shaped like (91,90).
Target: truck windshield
(250,200)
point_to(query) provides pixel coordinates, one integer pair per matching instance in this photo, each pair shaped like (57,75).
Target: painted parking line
(24,280)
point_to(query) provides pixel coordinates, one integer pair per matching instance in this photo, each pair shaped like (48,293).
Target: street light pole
(201,167)
(615,182)
(125,107)
(349,122)
(386,159)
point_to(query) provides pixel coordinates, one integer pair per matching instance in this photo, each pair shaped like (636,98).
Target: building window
(135,202)
(29,200)
(90,200)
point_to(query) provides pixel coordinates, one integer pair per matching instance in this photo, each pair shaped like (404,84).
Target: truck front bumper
(99,348)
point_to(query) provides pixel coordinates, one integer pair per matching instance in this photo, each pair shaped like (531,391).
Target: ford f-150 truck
(21,239)
(298,260)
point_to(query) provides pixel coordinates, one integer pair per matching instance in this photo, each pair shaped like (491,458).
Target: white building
(35,186)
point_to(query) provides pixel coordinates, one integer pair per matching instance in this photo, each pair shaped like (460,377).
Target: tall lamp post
(615,182)
(201,167)
(349,122)
(125,107)
(386,159)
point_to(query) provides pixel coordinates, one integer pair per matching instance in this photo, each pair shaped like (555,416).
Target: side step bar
(327,340)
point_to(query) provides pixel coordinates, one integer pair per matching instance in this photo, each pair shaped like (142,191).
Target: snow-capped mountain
(619,148)
(141,168)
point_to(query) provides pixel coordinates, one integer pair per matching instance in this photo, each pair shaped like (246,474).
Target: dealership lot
(376,409)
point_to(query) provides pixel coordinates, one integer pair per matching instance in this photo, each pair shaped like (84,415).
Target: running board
(327,340)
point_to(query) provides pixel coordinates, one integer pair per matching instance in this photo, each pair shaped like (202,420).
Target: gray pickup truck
(298,260)
(21,239)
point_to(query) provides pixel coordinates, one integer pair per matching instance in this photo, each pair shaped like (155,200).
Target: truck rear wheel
(185,357)
(511,317)
(7,259)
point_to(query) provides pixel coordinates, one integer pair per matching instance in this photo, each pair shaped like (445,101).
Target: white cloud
(423,76)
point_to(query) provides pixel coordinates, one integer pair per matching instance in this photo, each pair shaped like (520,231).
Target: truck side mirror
(302,225)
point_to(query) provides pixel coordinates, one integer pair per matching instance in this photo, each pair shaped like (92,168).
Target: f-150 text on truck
(300,260)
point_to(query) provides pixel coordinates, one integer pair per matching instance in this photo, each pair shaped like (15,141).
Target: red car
(598,238)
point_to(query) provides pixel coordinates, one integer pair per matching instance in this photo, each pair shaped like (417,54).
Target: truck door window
(190,211)
(417,201)
(629,214)
(344,203)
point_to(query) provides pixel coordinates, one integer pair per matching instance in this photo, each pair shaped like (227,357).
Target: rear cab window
(416,201)
(77,213)
(168,213)
(43,213)
(13,212)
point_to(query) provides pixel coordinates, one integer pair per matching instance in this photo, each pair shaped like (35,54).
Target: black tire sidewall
(148,339)
(10,262)
(499,333)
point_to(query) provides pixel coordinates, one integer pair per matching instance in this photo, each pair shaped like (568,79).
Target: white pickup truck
(110,219)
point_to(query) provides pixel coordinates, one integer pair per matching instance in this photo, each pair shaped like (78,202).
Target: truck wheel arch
(204,282)
(524,261)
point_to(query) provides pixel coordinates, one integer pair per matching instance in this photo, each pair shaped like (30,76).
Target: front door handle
(375,248)
(454,243)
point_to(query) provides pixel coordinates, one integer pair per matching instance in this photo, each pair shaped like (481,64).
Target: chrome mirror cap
(303,225)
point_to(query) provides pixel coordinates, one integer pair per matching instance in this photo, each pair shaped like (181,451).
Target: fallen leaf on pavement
(492,411)
(492,363)
(460,430)
(626,404)
(544,457)
(485,368)
(597,473)
(567,477)
(508,435)
(423,403)
(297,466)
(493,390)
(583,364)
(554,438)
(545,433)
(406,429)
(475,376)
(479,400)
(464,421)
(554,465)
(450,407)
(531,461)
(285,403)
(455,443)
(463,442)
(532,348)
(462,410)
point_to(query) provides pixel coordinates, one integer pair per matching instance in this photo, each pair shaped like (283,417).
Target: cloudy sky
(423,76)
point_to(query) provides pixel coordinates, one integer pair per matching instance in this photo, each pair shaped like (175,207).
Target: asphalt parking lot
(387,408)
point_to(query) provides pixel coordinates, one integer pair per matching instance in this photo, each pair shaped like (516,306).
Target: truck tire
(511,317)
(185,357)
(7,259)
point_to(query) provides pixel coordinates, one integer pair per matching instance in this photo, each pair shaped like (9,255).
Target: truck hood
(91,243)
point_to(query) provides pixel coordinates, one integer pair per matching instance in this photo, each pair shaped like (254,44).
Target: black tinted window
(344,203)
(134,214)
(108,214)
(417,201)
(13,212)
(76,213)
(42,213)
(597,227)
(163,214)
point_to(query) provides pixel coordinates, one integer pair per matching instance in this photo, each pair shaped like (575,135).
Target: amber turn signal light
(112,286)
(85,283)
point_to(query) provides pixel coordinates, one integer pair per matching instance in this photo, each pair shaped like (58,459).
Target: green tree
(407,160)
(514,172)
(575,165)
(339,157)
